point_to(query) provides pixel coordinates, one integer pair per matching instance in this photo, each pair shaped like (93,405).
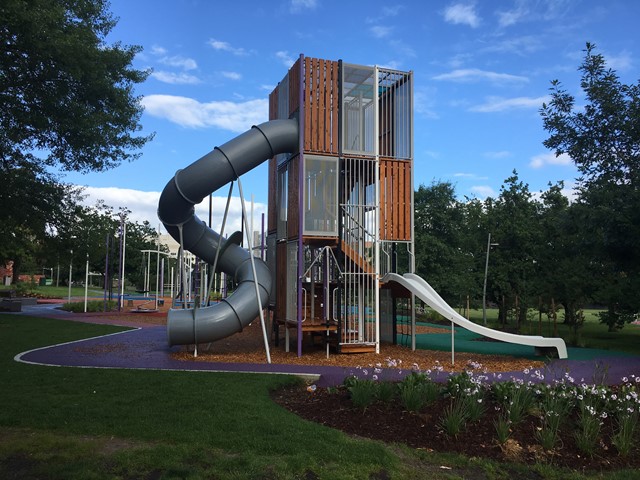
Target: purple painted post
(300,200)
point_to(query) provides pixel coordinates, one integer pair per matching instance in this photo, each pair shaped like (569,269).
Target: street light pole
(70,264)
(86,283)
(484,290)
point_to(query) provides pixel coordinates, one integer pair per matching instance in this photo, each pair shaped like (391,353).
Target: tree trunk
(17,265)
(569,313)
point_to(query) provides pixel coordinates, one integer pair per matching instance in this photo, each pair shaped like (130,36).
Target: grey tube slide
(189,187)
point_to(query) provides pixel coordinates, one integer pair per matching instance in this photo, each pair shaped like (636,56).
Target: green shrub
(92,306)
(363,391)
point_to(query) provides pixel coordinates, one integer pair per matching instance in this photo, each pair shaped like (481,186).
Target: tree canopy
(68,104)
(603,140)
(67,95)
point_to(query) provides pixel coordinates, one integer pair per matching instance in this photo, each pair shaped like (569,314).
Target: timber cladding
(395,199)
(321,102)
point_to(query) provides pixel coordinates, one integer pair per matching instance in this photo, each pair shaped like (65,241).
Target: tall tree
(440,256)
(565,269)
(67,102)
(603,139)
(514,218)
(34,207)
(66,94)
(84,238)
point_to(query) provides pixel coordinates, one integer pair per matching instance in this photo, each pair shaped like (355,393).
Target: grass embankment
(71,423)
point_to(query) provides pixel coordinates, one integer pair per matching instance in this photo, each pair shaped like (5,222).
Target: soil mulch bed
(391,424)
(248,347)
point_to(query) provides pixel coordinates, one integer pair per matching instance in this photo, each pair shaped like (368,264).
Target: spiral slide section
(189,187)
(425,292)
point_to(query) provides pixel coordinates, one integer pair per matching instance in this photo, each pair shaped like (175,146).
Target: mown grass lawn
(73,423)
(592,334)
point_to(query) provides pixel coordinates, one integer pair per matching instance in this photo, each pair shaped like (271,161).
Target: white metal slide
(421,289)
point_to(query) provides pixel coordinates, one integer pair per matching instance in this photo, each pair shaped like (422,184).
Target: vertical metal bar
(412,265)
(255,275)
(376,230)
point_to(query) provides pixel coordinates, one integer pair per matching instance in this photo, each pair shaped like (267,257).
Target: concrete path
(145,347)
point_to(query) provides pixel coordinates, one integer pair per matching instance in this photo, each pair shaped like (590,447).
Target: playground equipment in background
(340,236)
(419,287)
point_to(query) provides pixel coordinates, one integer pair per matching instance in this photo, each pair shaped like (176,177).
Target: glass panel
(358,111)
(292,281)
(320,195)
(282,203)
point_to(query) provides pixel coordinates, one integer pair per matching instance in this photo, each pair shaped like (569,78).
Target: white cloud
(187,112)
(621,62)
(226,47)
(471,176)
(144,205)
(423,102)
(392,11)
(539,161)
(403,48)
(459,59)
(231,75)
(286,59)
(380,31)
(158,50)
(511,17)
(518,45)
(498,154)
(391,65)
(476,75)
(483,191)
(499,104)
(297,6)
(180,62)
(175,78)
(462,14)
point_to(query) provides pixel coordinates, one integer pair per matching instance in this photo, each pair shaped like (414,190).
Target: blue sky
(481,69)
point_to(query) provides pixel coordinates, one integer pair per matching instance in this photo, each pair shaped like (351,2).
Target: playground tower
(341,208)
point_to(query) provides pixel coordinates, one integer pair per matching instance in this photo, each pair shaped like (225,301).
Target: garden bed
(391,421)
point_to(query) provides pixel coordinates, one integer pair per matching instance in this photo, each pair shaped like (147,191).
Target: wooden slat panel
(307,104)
(335,106)
(321,106)
(322,112)
(401,196)
(317,85)
(381,199)
(407,201)
(395,199)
